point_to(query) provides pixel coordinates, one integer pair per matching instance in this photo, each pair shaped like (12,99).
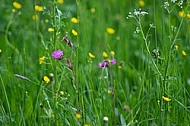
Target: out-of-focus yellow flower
(110,30)
(35,17)
(119,66)
(74,20)
(46,20)
(188,16)
(112,53)
(62,92)
(166,99)
(13,10)
(17,5)
(38,8)
(78,115)
(74,32)
(141,3)
(109,91)
(176,47)
(41,59)
(86,124)
(91,55)
(104,54)
(46,79)
(92,10)
(50,30)
(184,53)
(60,1)
(181,13)
(0,50)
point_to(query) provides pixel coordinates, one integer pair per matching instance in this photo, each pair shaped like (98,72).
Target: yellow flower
(86,124)
(60,1)
(166,99)
(62,92)
(41,60)
(74,20)
(176,47)
(46,20)
(78,115)
(74,32)
(181,13)
(38,8)
(13,10)
(109,91)
(110,30)
(141,3)
(0,50)
(91,55)
(50,30)
(92,10)
(188,16)
(46,79)
(184,53)
(35,17)
(17,5)
(119,66)
(112,53)
(104,54)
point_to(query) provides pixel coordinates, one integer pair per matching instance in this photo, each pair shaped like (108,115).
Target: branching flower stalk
(138,19)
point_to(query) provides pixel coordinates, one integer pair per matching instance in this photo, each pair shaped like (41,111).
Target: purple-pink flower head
(106,63)
(58,54)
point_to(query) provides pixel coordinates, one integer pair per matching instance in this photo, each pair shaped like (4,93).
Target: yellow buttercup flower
(38,8)
(41,59)
(188,16)
(62,92)
(74,32)
(60,1)
(50,30)
(112,53)
(181,13)
(176,47)
(86,124)
(91,55)
(92,10)
(119,66)
(46,79)
(141,3)
(17,5)
(166,99)
(109,91)
(184,53)
(104,54)
(78,115)
(35,17)
(110,30)
(74,20)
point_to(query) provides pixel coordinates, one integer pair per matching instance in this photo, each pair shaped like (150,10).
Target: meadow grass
(93,63)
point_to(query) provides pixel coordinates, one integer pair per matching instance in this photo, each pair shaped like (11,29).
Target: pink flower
(106,63)
(58,54)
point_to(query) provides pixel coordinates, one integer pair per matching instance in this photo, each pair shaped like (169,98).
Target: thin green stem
(7,100)
(147,48)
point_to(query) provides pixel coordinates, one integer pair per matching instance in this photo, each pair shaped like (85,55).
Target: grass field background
(149,84)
